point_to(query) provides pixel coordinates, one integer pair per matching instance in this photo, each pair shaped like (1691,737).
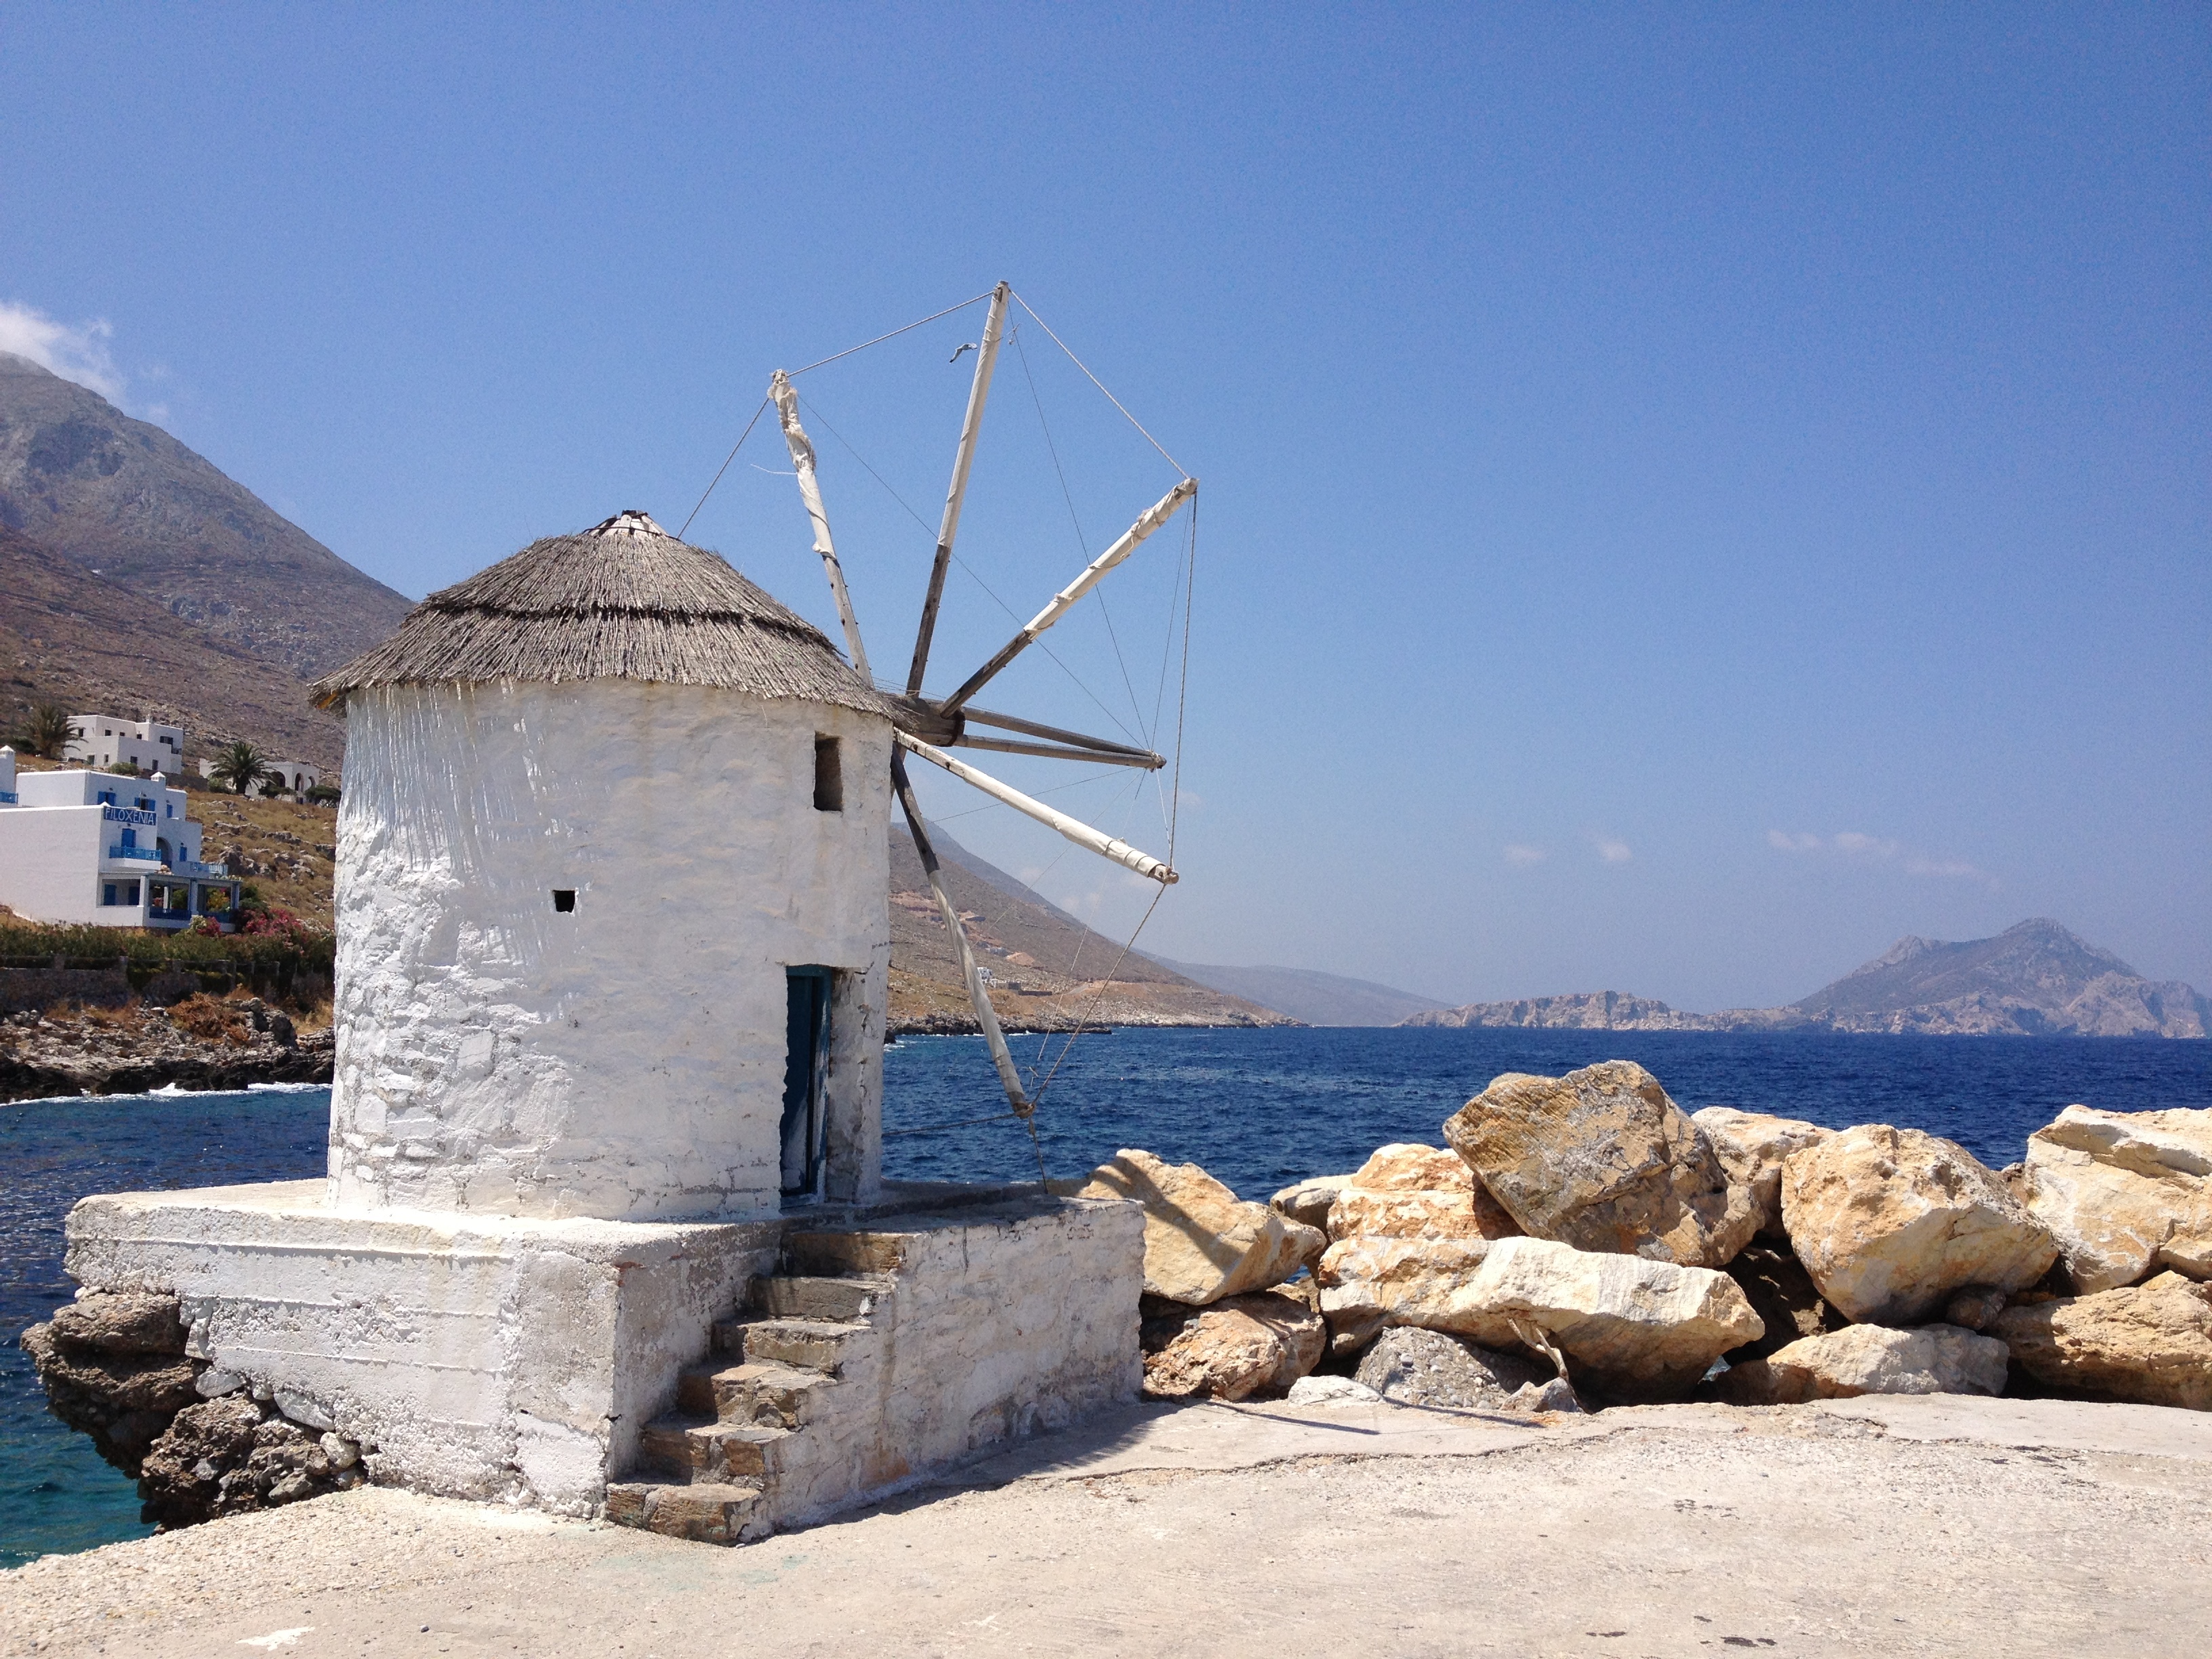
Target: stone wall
(1002,1320)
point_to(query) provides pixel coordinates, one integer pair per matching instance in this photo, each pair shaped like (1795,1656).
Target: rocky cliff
(124,498)
(2036,979)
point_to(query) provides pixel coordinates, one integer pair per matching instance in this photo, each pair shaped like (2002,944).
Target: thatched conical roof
(622,600)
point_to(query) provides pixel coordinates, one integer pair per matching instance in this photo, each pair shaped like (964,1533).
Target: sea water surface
(1259,1110)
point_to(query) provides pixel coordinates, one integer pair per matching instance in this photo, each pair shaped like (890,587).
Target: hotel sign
(127,815)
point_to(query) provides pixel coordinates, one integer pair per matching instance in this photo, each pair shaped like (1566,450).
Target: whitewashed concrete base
(509,1359)
(516,1359)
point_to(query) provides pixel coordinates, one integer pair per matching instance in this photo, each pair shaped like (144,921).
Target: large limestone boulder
(2150,1342)
(1890,1222)
(1637,1329)
(2123,1193)
(1369,1283)
(1751,1146)
(1408,1191)
(1870,1359)
(1406,1166)
(1239,1347)
(1201,1242)
(1307,1201)
(1602,1159)
(1409,1366)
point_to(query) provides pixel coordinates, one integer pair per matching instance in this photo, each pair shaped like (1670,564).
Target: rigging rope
(720,470)
(1182,707)
(1101,384)
(1082,542)
(820,361)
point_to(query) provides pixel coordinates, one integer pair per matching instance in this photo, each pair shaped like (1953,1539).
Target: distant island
(2036,979)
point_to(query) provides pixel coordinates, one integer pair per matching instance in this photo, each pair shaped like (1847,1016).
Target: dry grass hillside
(71,637)
(1052,972)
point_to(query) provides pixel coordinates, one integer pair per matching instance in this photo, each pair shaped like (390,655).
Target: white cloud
(78,353)
(1858,845)
(1851,840)
(1521,854)
(1612,851)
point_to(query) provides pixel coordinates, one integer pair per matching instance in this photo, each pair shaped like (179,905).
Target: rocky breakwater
(1214,1323)
(201,1042)
(199,1442)
(1585,1227)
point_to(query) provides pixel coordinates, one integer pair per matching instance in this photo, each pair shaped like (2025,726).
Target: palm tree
(50,730)
(241,766)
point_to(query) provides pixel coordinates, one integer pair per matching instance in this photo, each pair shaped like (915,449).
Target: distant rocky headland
(2036,979)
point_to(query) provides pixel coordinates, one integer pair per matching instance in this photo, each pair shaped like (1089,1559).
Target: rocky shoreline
(1581,1242)
(202,1042)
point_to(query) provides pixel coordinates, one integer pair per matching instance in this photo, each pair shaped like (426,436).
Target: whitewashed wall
(50,864)
(626,1060)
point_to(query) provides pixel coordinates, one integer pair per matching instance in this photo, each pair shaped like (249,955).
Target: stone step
(705,1512)
(845,1255)
(684,1448)
(796,1296)
(815,1345)
(774,1395)
(699,1389)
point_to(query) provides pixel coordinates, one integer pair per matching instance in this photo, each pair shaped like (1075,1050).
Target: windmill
(927,727)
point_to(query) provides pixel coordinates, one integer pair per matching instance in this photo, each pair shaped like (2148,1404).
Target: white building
(613,944)
(110,739)
(104,850)
(279,777)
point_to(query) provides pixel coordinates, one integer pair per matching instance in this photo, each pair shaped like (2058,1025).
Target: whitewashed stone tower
(613,926)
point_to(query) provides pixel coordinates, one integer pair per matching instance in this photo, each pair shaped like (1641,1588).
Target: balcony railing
(194,867)
(8,798)
(150,855)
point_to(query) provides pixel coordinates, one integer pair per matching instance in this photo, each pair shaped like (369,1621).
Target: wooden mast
(963,457)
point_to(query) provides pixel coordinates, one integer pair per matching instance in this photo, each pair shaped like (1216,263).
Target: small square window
(829,777)
(564,899)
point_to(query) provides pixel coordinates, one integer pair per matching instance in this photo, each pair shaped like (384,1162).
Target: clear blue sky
(1690,494)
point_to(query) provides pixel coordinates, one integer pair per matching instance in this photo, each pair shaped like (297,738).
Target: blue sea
(1258,1109)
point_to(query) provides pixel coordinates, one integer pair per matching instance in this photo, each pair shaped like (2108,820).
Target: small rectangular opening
(829,777)
(564,899)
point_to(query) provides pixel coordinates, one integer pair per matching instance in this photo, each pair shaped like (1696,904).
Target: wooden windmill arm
(986,1015)
(1039,729)
(1064,601)
(802,461)
(1059,751)
(1096,841)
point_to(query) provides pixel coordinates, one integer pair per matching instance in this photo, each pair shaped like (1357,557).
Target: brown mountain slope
(1051,971)
(71,637)
(85,480)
